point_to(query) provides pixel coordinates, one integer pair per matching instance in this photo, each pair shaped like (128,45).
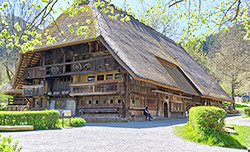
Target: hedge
(77,122)
(39,119)
(5,108)
(205,118)
(247,111)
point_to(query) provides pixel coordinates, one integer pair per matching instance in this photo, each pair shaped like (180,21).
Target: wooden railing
(96,88)
(33,90)
(84,66)
(17,101)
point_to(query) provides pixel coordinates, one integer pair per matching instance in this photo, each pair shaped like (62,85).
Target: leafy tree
(230,58)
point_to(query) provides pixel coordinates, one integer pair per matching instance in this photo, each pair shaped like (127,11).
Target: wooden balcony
(17,101)
(69,68)
(33,90)
(96,88)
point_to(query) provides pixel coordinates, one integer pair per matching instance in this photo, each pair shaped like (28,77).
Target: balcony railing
(33,90)
(80,67)
(96,88)
(17,101)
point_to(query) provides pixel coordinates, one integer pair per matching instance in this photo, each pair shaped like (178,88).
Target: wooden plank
(15,128)
(167,93)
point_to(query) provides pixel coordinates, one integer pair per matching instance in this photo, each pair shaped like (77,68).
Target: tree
(230,58)
(17,18)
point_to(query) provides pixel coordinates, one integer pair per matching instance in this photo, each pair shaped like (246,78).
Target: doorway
(166,110)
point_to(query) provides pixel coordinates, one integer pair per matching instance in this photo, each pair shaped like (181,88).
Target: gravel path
(240,122)
(109,137)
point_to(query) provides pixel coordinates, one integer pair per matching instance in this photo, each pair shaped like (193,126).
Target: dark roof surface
(137,46)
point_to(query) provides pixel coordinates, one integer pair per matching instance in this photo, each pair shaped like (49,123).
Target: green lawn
(239,141)
(240,107)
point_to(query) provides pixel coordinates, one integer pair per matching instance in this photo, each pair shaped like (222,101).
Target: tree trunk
(232,92)
(7,71)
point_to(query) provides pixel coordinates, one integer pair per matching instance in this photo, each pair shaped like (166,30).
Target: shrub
(247,111)
(77,122)
(205,118)
(5,108)
(39,119)
(7,146)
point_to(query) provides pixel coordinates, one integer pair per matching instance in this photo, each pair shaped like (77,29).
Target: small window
(89,101)
(166,97)
(109,76)
(137,102)
(118,76)
(102,101)
(60,105)
(91,78)
(95,101)
(100,77)
(117,100)
(132,100)
(110,100)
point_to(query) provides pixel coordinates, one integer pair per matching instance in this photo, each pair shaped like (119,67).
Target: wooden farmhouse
(118,70)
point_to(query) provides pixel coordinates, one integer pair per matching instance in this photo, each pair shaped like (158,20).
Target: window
(102,101)
(95,101)
(177,107)
(100,77)
(89,102)
(109,76)
(118,100)
(60,104)
(132,101)
(137,102)
(118,76)
(110,101)
(91,78)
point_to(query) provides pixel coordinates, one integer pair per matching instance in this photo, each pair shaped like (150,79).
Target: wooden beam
(208,97)
(167,93)
(157,83)
(166,62)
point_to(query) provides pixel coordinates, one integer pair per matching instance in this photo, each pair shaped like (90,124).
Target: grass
(240,107)
(239,141)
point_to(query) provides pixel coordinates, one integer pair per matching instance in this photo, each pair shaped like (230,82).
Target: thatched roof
(6,87)
(137,48)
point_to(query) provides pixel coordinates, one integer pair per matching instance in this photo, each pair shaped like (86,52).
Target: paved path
(155,136)
(240,122)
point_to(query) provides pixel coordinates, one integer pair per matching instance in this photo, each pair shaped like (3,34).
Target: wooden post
(69,121)
(62,119)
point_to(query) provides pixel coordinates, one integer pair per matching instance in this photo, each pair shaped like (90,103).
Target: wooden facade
(86,79)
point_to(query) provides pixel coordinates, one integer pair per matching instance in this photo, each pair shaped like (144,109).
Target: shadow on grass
(211,138)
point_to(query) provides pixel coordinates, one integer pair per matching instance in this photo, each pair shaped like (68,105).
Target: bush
(77,122)
(247,111)
(39,119)
(205,118)
(7,146)
(5,108)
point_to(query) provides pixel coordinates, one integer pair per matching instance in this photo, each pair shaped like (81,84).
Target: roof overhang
(213,98)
